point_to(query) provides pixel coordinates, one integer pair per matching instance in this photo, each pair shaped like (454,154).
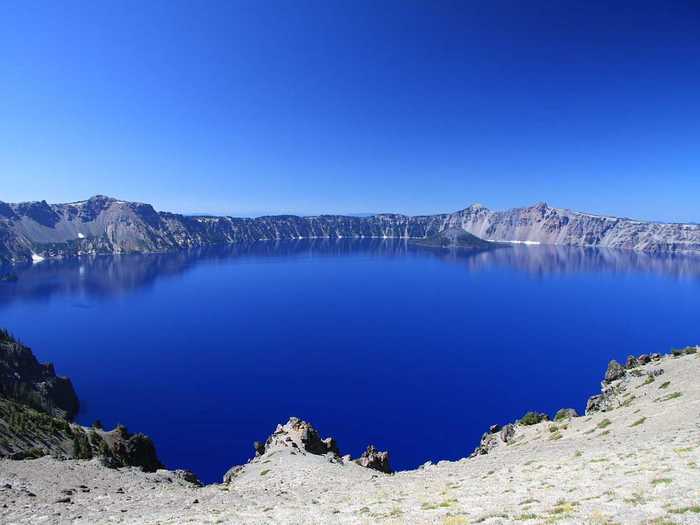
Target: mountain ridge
(105,225)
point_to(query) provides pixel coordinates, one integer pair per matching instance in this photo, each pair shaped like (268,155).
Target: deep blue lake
(415,350)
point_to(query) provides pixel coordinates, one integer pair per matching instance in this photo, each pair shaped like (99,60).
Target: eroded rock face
(374,459)
(25,380)
(614,372)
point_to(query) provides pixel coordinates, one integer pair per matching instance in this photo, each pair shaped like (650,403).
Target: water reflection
(104,276)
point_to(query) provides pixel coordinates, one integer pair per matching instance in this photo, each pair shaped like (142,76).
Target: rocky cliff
(25,380)
(103,225)
(36,410)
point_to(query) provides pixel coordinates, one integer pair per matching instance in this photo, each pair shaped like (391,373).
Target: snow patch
(529,243)
(36,258)
(81,236)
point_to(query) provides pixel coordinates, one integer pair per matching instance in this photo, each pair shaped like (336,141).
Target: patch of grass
(649,380)
(605,423)
(455,520)
(669,397)
(640,421)
(664,385)
(553,428)
(564,507)
(661,481)
(526,517)
(605,433)
(578,454)
(265,472)
(482,519)
(636,499)
(683,450)
(660,521)
(627,402)
(695,509)
(428,506)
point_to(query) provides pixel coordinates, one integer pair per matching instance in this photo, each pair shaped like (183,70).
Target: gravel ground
(638,463)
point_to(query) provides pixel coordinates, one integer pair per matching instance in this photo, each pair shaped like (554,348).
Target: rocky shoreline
(641,429)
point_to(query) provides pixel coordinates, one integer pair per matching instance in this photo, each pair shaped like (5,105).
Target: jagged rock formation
(375,459)
(103,225)
(24,379)
(298,437)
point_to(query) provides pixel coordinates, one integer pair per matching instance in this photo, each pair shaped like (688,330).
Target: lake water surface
(414,350)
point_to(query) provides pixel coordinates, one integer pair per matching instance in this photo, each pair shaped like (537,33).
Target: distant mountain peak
(101,198)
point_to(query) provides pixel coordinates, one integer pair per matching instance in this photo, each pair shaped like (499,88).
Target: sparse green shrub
(565,413)
(81,446)
(605,423)
(661,481)
(532,418)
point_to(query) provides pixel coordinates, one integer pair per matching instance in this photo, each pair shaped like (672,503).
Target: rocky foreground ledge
(633,458)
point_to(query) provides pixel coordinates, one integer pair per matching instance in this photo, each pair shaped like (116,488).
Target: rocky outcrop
(300,437)
(375,459)
(126,449)
(103,225)
(615,371)
(615,385)
(24,379)
(496,436)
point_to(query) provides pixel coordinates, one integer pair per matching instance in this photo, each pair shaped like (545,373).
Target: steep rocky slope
(105,225)
(25,380)
(633,459)
(36,410)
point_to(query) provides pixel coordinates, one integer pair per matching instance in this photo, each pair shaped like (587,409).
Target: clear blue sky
(353,106)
